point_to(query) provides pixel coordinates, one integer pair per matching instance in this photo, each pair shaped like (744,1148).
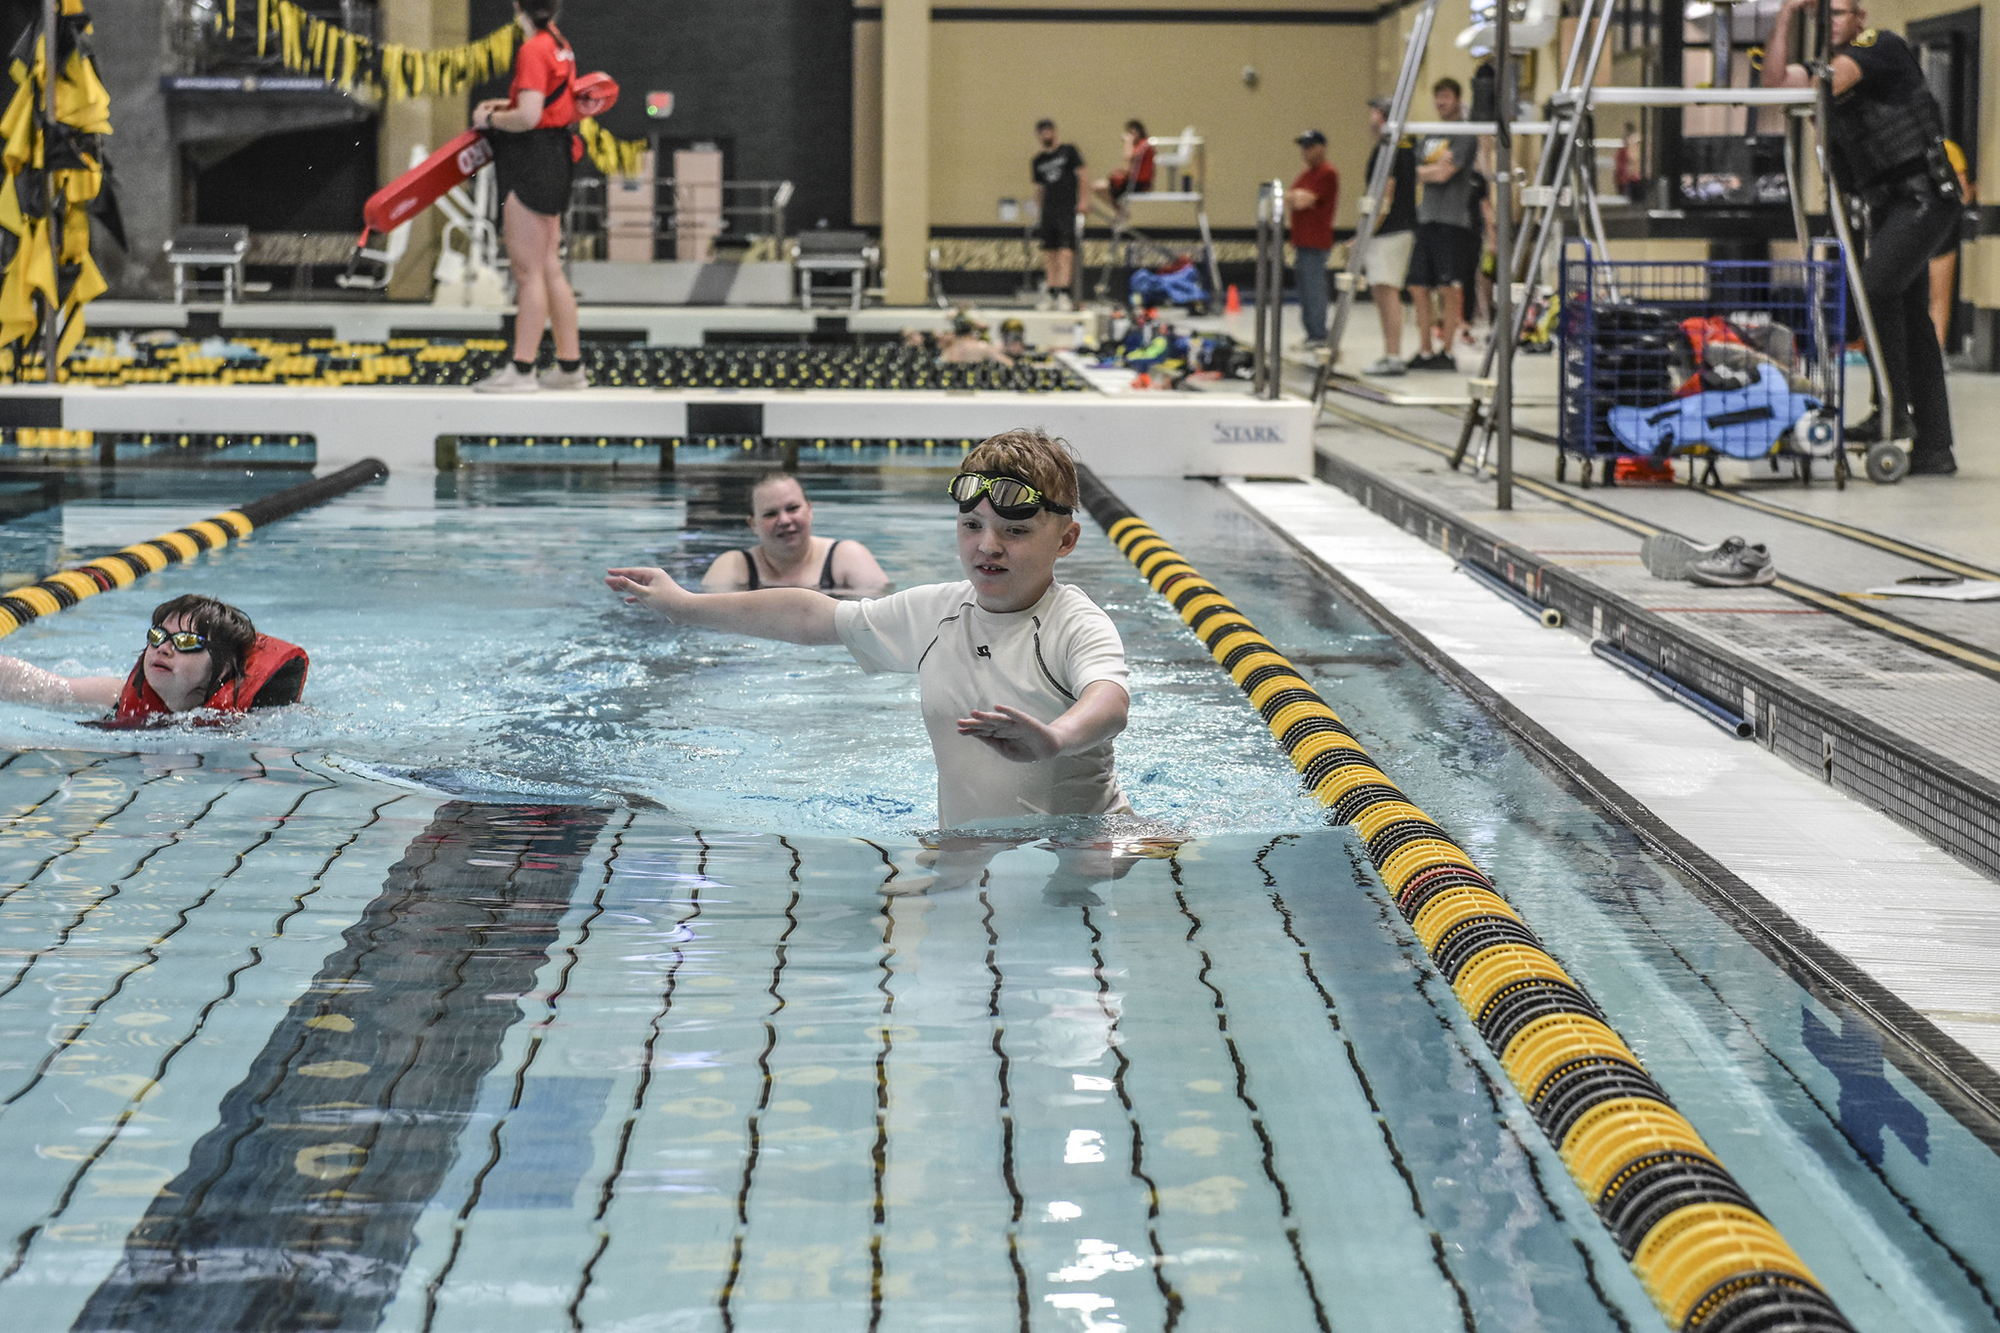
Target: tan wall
(867,155)
(428,121)
(990,82)
(425,120)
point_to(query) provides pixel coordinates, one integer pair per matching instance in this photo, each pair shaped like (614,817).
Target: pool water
(557,969)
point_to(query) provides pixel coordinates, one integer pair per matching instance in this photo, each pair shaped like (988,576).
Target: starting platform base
(1163,435)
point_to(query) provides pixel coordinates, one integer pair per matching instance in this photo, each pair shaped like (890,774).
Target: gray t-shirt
(1448,200)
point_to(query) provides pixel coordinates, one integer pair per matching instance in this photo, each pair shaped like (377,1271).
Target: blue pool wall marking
(1869,1102)
(286,1214)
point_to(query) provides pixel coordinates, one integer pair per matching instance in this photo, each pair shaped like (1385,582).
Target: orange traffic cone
(1233,303)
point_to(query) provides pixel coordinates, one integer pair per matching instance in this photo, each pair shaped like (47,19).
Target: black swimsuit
(826,583)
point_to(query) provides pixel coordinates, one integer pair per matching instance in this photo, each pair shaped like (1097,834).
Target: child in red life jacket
(200,654)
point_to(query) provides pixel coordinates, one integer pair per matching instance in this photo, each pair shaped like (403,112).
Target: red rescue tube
(427,182)
(460,160)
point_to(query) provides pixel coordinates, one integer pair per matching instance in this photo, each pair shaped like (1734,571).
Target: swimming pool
(556,970)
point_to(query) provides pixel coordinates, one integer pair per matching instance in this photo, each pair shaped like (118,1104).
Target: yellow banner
(311,45)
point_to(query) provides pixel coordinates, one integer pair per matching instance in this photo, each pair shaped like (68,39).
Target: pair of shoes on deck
(1730,563)
(510,379)
(1433,361)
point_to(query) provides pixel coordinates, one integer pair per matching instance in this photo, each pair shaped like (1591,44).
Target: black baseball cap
(1310,137)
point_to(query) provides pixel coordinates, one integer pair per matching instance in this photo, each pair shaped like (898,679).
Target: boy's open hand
(1013,734)
(653,589)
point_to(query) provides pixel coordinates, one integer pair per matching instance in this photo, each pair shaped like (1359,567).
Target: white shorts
(1388,259)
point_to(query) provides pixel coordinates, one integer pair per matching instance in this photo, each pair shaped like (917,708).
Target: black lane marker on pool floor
(1114,1018)
(299,1209)
(1003,1075)
(607,1190)
(753,1126)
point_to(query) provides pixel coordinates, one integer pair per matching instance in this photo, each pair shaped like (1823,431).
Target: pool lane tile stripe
(299,1209)
(1711,1262)
(64,589)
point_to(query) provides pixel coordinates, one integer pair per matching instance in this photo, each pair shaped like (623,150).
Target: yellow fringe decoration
(310,45)
(611,155)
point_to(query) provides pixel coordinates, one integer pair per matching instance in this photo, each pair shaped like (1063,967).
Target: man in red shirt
(1312,199)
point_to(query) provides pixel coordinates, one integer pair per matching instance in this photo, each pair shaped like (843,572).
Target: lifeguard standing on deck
(1887,138)
(534,153)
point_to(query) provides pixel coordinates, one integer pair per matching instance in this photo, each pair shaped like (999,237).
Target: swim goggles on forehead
(1011,497)
(184,641)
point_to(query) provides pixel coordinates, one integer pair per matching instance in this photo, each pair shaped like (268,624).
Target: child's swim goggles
(184,641)
(1011,497)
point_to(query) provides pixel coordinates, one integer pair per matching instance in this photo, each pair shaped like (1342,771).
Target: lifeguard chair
(1178,160)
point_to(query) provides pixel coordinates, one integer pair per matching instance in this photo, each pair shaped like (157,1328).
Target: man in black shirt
(1387,263)
(1887,138)
(1063,195)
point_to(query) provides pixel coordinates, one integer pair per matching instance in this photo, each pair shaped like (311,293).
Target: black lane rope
(1706,1255)
(66,588)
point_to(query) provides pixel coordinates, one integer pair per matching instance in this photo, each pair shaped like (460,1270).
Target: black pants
(1908,222)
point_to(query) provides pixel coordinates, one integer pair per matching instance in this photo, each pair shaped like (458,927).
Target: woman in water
(199,654)
(787,555)
(533,157)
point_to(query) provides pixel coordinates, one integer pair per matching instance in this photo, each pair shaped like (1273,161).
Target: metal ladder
(1575,102)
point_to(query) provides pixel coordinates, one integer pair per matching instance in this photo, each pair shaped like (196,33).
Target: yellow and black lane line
(106,573)
(1710,1260)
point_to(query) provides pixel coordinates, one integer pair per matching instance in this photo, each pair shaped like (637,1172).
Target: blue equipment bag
(1737,423)
(1181,287)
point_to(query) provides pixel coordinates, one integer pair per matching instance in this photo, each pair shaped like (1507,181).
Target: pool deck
(1859,832)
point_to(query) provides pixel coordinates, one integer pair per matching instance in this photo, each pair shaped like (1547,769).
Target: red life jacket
(274,673)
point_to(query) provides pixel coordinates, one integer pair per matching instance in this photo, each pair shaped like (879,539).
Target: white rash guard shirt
(1038,660)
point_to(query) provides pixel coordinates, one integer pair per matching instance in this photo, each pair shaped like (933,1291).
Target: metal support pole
(1504,335)
(1260,354)
(1269,378)
(51,332)
(1275,387)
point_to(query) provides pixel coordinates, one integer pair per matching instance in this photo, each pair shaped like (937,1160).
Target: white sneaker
(1063,302)
(1670,556)
(508,379)
(555,377)
(1387,365)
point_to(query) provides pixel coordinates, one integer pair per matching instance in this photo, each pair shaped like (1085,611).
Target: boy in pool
(1013,666)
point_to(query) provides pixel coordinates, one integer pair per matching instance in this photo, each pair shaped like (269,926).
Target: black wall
(772,79)
(304,180)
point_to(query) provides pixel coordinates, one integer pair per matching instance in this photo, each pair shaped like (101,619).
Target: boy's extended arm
(796,615)
(1098,714)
